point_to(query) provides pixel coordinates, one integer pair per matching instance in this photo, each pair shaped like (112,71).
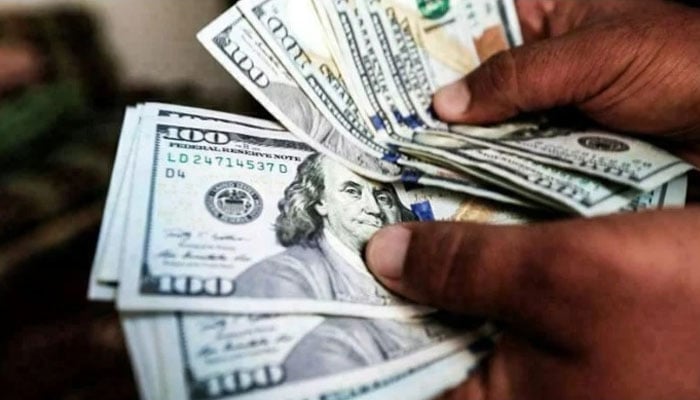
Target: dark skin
(604,308)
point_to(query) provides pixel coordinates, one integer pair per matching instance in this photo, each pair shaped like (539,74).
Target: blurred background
(67,71)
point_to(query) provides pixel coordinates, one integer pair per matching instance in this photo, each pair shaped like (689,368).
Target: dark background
(58,136)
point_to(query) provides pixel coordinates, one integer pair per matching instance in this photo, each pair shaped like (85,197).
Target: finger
(541,19)
(500,273)
(533,16)
(566,70)
(516,370)
(546,280)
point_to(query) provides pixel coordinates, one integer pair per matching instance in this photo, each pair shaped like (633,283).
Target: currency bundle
(232,245)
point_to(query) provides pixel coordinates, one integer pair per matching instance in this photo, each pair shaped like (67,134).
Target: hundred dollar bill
(110,252)
(613,157)
(387,37)
(263,357)
(293,32)
(465,184)
(474,209)
(234,43)
(225,219)
(138,362)
(381,93)
(360,57)
(451,206)
(237,279)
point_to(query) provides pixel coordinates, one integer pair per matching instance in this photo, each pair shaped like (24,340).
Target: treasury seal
(234,202)
(599,143)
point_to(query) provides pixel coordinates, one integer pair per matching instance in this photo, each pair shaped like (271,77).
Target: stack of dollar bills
(232,246)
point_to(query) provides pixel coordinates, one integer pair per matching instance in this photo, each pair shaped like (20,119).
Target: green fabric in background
(36,112)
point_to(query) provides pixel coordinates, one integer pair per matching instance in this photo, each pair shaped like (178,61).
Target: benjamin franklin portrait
(327,215)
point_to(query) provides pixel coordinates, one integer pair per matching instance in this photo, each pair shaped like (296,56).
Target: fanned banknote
(174,362)
(234,43)
(249,59)
(233,245)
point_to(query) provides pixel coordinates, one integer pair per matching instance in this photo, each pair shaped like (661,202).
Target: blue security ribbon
(423,210)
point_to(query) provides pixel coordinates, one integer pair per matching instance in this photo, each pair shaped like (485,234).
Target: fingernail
(453,99)
(386,251)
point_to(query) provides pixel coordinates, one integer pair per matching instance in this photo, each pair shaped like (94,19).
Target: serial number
(227,162)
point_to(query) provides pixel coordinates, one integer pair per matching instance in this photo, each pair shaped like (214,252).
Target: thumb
(562,71)
(529,277)
(460,267)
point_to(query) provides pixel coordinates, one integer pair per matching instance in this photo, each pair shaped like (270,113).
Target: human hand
(630,65)
(601,309)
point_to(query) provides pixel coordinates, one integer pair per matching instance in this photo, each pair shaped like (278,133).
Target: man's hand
(632,65)
(598,309)
(605,308)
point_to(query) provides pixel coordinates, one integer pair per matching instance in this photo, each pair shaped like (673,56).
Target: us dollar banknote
(263,356)
(286,232)
(616,158)
(110,250)
(233,42)
(300,43)
(115,204)
(140,333)
(111,247)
